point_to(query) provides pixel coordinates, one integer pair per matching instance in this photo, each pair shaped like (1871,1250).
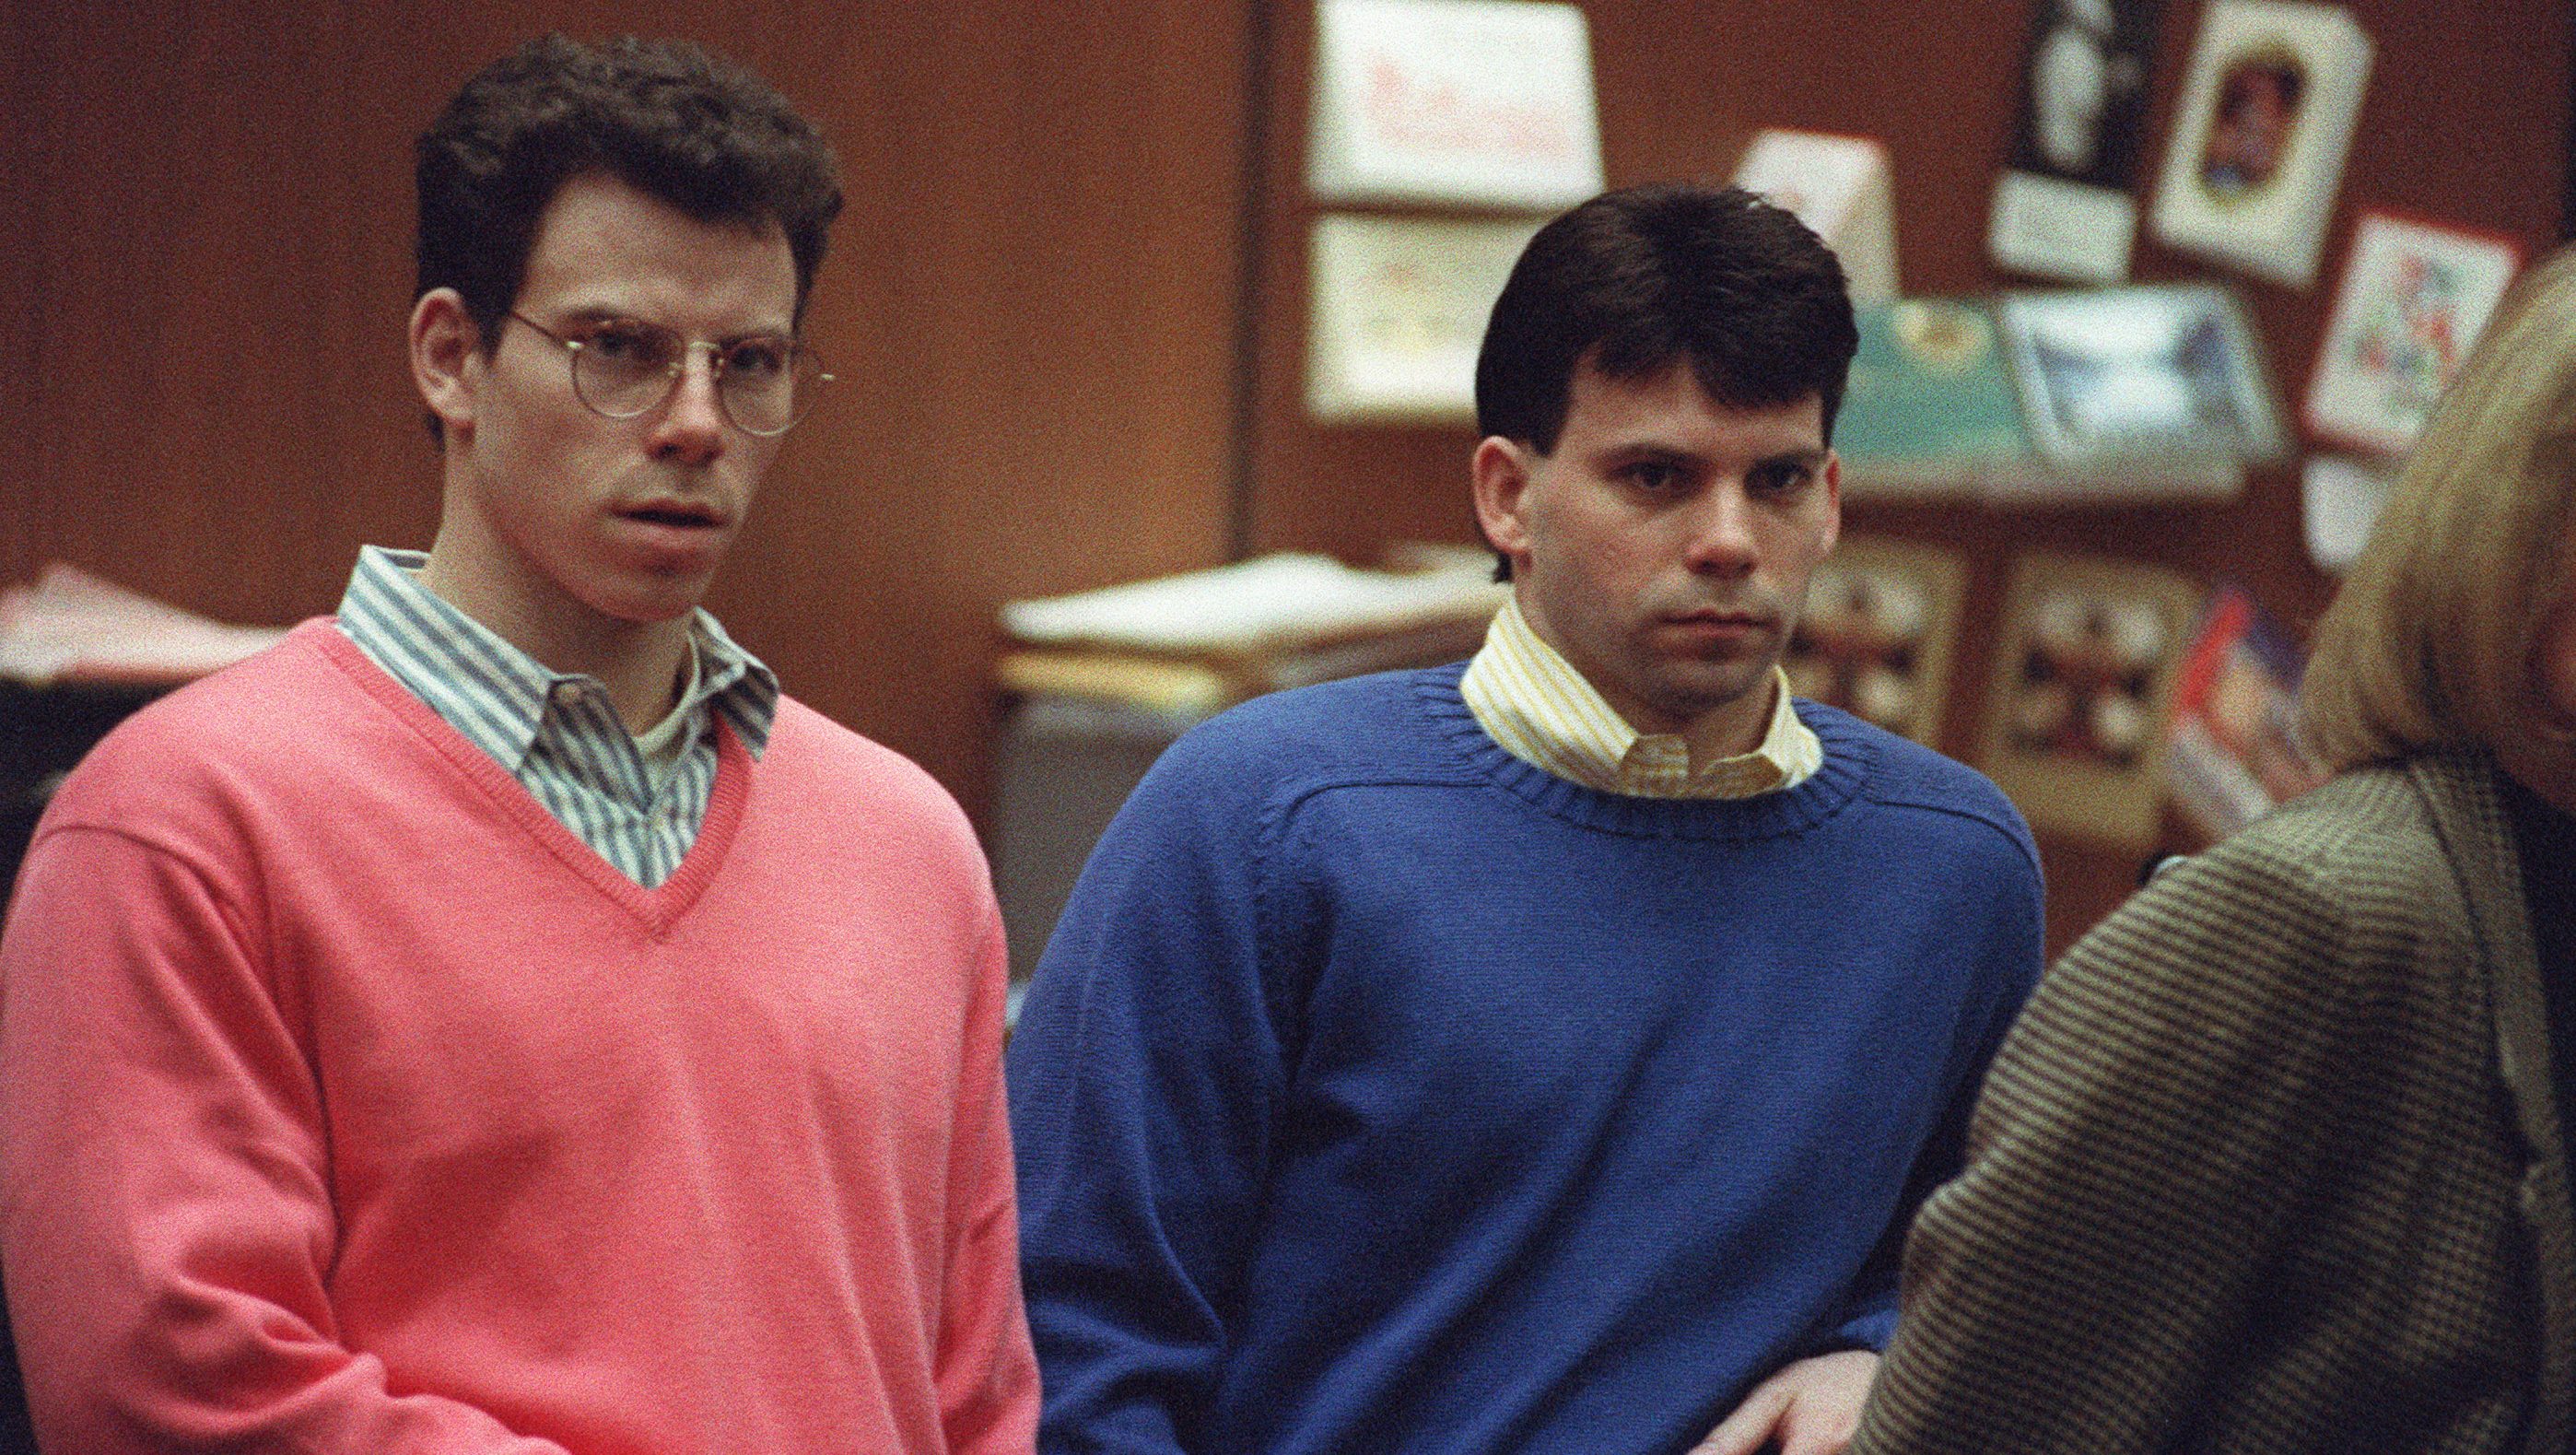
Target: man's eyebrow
(1811,459)
(611,313)
(1631,450)
(1637,451)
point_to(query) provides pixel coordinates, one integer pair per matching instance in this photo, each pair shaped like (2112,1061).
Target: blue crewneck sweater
(1382,1092)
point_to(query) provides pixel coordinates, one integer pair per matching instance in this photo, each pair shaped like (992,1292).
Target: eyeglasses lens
(765,384)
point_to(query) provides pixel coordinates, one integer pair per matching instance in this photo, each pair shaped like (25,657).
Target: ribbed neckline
(1851,760)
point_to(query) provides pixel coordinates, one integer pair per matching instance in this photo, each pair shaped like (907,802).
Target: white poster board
(1838,186)
(1398,311)
(1484,103)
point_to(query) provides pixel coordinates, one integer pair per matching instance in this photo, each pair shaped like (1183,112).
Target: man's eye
(1781,479)
(1653,476)
(628,345)
(759,358)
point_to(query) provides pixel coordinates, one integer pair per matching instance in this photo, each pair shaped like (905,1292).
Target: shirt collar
(497,695)
(1543,711)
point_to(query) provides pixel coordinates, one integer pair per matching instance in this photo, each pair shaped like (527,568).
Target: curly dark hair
(668,118)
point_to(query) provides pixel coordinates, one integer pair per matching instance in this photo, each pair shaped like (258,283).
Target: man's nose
(1721,540)
(691,430)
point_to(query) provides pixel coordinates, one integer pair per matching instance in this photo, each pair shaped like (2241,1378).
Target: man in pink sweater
(495,1019)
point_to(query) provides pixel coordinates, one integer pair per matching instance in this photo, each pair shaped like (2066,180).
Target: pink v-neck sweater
(348,1103)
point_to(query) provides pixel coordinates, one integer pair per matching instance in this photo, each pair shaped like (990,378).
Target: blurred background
(1066,305)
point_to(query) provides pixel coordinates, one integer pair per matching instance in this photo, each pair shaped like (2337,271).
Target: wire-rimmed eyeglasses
(623,367)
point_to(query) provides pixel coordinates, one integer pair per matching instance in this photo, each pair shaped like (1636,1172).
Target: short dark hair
(1634,281)
(668,118)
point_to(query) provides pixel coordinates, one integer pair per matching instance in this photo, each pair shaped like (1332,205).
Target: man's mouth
(1713,616)
(677,514)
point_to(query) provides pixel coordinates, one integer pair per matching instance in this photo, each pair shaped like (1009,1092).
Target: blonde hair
(2430,642)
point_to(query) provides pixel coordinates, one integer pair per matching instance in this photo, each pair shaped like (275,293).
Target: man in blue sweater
(1545,1054)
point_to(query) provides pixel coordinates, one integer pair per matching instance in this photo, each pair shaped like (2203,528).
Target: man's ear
(446,360)
(1833,500)
(1502,469)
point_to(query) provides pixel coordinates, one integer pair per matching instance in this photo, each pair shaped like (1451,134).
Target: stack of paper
(1268,603)
(1196,642)
(72,625)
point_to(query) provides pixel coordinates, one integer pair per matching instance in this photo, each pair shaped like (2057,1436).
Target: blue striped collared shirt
(557,733)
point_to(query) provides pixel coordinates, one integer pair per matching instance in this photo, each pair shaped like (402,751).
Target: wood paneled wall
(205,267)
(1029,303)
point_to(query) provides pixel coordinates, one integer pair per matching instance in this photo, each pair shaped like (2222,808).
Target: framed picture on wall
(1396,311)
(1930,409)
(2234,750)
(1484,103)
(2142,391)
(2063,207)
(2075,722)
(2258,145)
(1877,638)
(2415,297)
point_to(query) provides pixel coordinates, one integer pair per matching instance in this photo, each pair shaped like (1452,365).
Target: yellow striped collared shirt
(1532,701)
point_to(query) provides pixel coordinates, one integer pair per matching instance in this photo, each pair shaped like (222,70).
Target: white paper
(1838,186)
(1254,605)
(73,624)
(2341,500)
(2052,228)
(1397,311)
(1481,102)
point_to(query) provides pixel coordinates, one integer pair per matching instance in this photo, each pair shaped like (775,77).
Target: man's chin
(1695,694)
(650,604)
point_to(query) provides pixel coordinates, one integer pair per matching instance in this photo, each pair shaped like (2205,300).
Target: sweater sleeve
(167,1224)
(1145,1079)
(987,1376)
(2132,1168)
(2005,952)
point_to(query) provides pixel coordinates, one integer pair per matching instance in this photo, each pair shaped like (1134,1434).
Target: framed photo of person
(2076,721)
(2415,296)
(2265,119)
(2142,391)
(1879,632)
